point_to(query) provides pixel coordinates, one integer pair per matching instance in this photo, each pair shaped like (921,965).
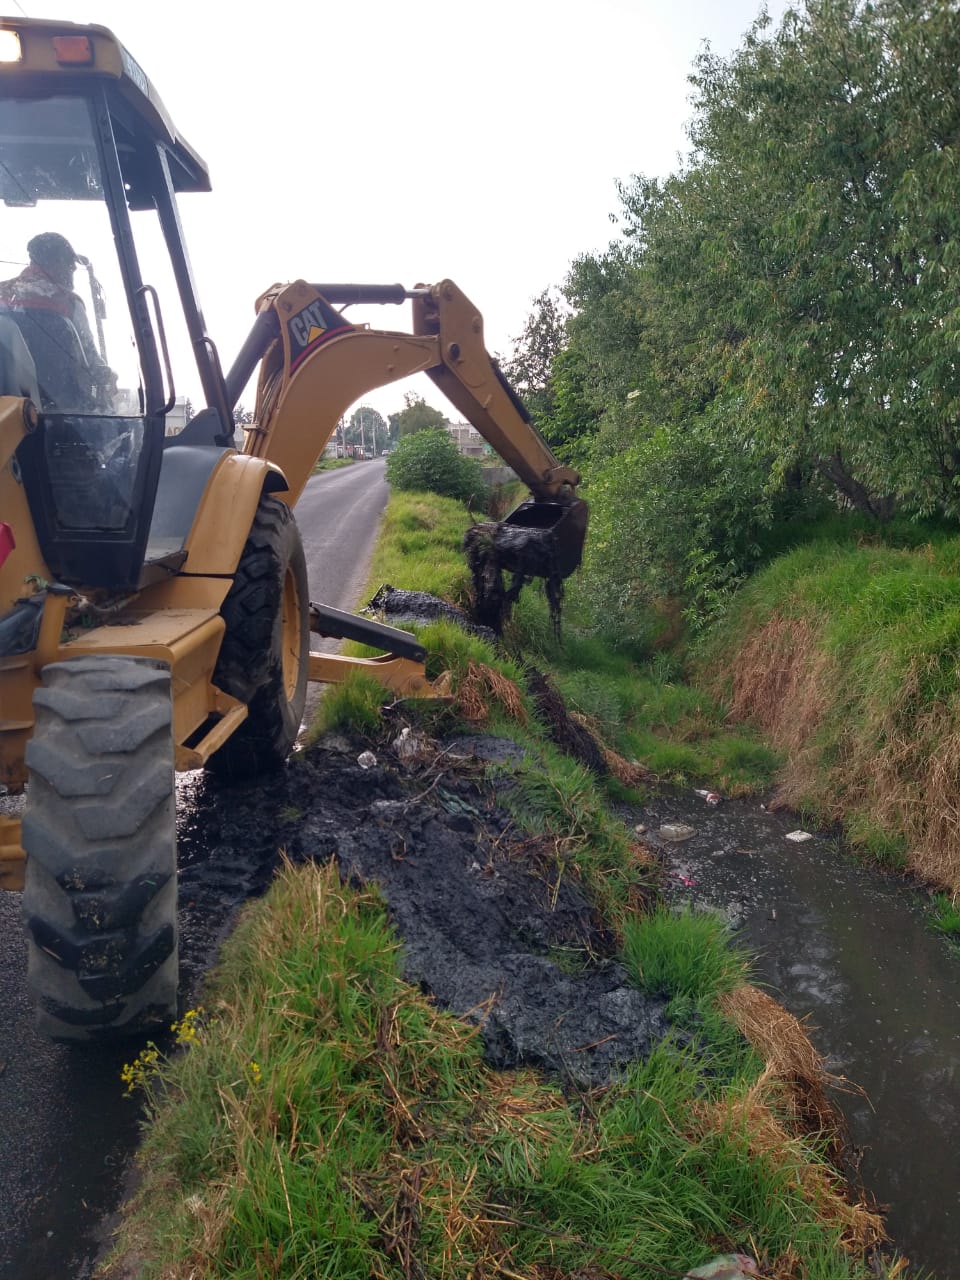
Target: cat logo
(309,327)
(309,324)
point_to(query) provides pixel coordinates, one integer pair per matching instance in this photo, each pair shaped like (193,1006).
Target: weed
(353,706)
(945,915)
(687,954)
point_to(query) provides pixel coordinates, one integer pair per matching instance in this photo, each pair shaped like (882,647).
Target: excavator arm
(314,364)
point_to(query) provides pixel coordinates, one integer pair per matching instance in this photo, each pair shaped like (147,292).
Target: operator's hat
(50,249)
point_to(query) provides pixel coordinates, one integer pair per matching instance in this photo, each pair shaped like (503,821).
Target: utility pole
(363,443)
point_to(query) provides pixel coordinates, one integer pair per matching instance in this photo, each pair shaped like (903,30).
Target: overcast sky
(380,141)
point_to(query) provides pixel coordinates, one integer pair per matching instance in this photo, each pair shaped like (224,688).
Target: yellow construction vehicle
(153,594)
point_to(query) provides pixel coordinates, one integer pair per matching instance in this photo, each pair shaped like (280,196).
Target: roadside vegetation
(331,464)
(328,1120)
(323,1118)
(758,379)
(844,653)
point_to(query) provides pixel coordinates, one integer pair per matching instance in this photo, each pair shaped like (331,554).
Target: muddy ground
(488,926)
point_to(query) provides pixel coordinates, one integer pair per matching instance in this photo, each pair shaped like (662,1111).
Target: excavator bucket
(539,539)
(558,529)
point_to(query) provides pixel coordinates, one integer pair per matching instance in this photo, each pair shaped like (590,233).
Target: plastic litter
(708,797)
(412,746)
(676,831)
(640,829)
(367,760)
(798,837)
(728,1266)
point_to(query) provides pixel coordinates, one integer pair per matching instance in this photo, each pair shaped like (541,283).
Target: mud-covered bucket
(556,546)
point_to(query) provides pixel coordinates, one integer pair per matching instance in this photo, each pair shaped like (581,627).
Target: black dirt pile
(565,732)
(489,925)
(406,608)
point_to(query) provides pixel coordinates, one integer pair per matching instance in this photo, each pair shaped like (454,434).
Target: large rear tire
(99,832)
(265,653)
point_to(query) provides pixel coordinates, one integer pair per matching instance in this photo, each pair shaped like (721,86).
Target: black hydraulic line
(511,391)
(265,329)
(345,295)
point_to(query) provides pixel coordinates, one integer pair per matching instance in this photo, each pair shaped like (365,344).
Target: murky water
(848,949)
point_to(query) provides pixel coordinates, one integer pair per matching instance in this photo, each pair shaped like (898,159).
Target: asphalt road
(66,1130)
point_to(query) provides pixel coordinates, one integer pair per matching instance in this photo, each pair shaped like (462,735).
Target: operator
(46,285)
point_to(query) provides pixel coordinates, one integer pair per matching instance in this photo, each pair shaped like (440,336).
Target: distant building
(176,419)
(468,439)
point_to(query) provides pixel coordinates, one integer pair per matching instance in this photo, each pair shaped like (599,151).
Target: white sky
(386,140)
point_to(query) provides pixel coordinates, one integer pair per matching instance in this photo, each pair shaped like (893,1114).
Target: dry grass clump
(754,1119)
(785,1047)
(630,772)
(781,682)
(773,1032)
(483,684)
(793,1084)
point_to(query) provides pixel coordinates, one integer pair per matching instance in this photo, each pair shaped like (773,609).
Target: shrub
(429,460)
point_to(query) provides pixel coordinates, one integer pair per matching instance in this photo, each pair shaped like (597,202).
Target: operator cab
(89,160)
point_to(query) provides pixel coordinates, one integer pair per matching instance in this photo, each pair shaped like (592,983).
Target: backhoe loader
(154,611)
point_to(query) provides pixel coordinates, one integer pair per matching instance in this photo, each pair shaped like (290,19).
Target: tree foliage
(367,427)
(417,415)
(550,375)
(429,460)
(783,312)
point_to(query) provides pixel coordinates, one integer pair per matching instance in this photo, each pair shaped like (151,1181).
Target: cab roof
(65,57)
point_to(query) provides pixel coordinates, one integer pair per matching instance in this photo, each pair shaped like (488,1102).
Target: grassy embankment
(844,653)
(327,1120)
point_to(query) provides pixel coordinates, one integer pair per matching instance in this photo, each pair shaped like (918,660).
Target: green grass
(419,547)
(353,706)
(644,706)
(687,955)
(330,1121)
(551,794)
(332,464)
(945,915)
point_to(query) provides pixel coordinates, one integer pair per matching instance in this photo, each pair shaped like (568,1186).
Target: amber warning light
(10,46)
(76,51)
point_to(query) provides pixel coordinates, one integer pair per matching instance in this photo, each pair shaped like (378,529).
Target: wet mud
(489,925)
(406,608)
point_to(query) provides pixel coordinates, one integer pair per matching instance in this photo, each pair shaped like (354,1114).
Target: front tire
(99,832)
(265,653)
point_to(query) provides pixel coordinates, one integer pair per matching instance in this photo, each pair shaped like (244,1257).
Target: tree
(430,460)
(417,415)
(366,427)
(803,264)
(530,367)
(780,318)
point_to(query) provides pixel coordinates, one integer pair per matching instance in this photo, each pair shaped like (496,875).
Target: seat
(62,371)
(18,374)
